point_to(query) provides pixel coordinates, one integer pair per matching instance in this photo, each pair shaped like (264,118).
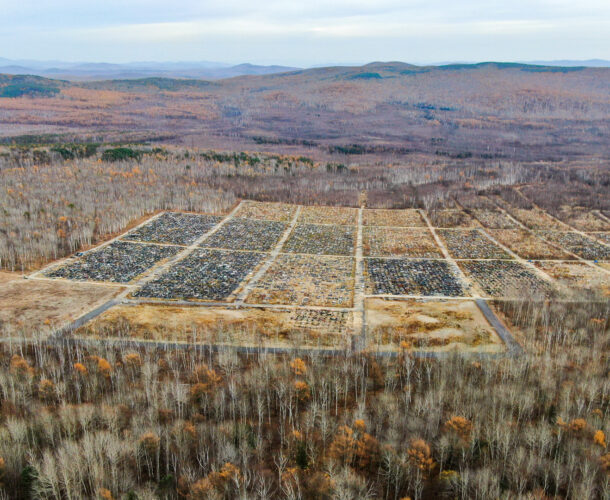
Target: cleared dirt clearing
(429,326)
(38,306)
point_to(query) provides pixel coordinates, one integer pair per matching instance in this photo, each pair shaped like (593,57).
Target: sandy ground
(452,325)
(29,307)
(217,325)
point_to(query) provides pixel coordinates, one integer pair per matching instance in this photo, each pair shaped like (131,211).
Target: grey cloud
(305,32)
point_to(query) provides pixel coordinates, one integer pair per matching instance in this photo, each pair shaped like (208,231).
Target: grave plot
(118,262)
(321,240)
(578,276)
(493,219)
(393,218)
(341,216)
(203,275)
(321,320)
(411,277)
(449,218)
(583,219)
(527,245)
(174,228)
(246,234)
(471,244)
(582,246)
(245,327)
(429,325)
(501,278)
(603,237)
(306,280)
(535,219)
(279,212)
(397,241)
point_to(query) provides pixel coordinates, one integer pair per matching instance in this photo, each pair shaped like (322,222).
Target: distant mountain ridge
(210,70)
(83,71)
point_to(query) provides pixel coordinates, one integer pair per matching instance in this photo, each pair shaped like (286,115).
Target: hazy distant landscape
(207,70)
(102,71)
(488,110)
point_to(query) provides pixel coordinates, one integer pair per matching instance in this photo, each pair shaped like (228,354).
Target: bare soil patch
(429,325)
(28,307)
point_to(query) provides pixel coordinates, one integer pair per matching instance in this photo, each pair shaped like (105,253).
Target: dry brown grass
(431,325)
(33,306)
(244,327)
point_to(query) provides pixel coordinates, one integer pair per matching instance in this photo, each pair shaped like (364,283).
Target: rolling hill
(487,110)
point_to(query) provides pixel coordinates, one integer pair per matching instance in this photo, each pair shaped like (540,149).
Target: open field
(428,325)
(31,307)
(536,219)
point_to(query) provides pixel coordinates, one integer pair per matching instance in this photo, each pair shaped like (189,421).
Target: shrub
(46,390)
(420,456)
(121,154)
(461,426)
(149,443)
(600,438)
(80,369)
(20,367)
(342,447)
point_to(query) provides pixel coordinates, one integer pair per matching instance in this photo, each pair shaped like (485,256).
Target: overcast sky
(304,33)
